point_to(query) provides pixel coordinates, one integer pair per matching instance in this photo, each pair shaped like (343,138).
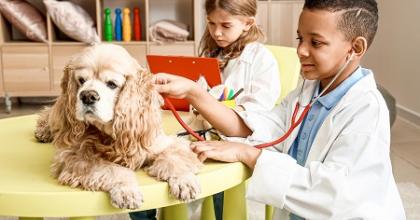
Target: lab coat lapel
(305,99)
(322,142)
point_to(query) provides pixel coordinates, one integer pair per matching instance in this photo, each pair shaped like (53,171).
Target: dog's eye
(81,81)
(111,84)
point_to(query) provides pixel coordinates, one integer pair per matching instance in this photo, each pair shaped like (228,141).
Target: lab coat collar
(319,150)
(249,52)
(332,98)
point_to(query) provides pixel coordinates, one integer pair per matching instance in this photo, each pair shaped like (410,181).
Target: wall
(395,54)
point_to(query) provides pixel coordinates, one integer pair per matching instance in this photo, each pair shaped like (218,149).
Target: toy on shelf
(118,25)
(137,24)
(126,25)
(107,25)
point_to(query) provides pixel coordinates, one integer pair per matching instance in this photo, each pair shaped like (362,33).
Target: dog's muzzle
(89,97)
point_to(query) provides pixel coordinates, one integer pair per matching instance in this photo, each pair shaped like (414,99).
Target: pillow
(25,18)
(168,31)
(72,20)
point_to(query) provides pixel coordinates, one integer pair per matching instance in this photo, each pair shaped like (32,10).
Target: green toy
(107,25)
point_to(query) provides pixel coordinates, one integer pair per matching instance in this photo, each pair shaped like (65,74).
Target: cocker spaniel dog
(107,123)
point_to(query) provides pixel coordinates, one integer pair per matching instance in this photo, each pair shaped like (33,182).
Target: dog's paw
(43,137)
(185,187)
(126,197)
(43,134)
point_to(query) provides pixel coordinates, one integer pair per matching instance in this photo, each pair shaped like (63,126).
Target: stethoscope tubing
(294,123)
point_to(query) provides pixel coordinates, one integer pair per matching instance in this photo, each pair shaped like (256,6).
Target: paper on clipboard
(189,67)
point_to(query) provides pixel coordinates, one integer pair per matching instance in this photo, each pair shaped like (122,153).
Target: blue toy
(118,25)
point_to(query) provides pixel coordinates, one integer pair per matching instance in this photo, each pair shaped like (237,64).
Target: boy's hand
(226,151)
(173,86)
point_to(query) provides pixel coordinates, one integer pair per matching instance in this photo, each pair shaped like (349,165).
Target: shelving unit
(35,69)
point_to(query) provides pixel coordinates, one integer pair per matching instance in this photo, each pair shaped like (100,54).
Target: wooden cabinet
(35,69)
(26,70)
(186,49)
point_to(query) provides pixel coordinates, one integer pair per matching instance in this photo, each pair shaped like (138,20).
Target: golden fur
(95,153)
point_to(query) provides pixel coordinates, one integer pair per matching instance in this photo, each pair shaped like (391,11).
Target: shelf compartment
(23,64)
(112,4)
(57,36)
(11,34)
(178,10)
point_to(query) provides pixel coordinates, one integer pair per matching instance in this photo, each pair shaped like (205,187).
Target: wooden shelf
(68,43)
(35,68)
(23,43)
(123,43)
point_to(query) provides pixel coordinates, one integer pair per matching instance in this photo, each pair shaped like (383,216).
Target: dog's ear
(63,112)
(137,119)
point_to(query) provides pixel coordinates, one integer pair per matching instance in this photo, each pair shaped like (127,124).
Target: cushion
(72,20)
(25,18)
(168,31)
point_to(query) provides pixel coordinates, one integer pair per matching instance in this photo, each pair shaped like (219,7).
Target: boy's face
(225,28)
(322,48)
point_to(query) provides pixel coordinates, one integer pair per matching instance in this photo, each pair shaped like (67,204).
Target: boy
(336,164)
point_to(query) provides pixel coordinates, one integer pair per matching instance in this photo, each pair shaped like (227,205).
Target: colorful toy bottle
(107,25)
(118,25)
(137,24)
(126,25)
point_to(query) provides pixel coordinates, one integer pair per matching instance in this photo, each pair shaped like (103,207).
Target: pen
(237,93)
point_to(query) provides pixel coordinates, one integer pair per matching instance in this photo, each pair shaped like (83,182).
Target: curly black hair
(359,17)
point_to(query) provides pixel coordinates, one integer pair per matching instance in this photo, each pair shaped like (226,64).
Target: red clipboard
(189,67)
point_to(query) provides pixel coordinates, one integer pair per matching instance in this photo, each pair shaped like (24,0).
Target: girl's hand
(173,86)
(226,151)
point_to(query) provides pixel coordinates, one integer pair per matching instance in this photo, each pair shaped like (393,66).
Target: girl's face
(322,48)
(225,28)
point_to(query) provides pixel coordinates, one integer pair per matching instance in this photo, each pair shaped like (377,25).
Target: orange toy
(126,25)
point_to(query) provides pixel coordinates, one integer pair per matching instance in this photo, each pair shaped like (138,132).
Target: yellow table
(28,190)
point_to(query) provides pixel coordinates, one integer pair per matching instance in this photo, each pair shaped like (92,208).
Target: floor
(405,157)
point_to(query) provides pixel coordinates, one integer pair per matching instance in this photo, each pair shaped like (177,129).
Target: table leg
(234,205)
(178,212)
(268,212)
(207,209)
(31,218)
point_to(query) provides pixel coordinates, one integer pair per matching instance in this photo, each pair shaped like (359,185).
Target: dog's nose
(89,97)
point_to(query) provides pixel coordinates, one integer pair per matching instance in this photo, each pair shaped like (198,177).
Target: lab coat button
(310,117)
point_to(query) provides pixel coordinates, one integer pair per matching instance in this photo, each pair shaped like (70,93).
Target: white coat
(348,173)
(256,71)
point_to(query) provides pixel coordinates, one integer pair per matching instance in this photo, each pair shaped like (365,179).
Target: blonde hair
(208,46)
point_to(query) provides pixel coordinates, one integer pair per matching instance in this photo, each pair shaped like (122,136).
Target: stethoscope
(294,122)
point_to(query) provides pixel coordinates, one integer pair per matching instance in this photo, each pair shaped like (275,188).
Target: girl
(232,37)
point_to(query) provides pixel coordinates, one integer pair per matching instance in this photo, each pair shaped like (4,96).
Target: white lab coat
(348,172)
(256,71)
